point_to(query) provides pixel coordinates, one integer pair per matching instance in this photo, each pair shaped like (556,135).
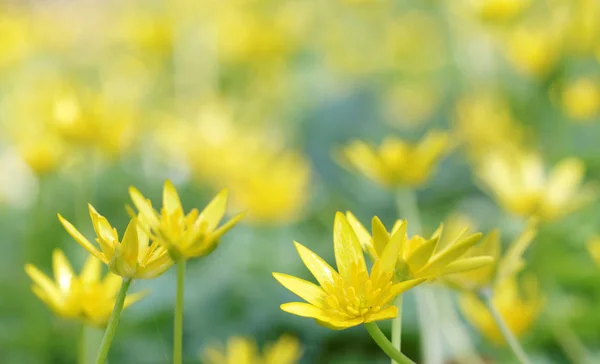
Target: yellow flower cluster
(239,350)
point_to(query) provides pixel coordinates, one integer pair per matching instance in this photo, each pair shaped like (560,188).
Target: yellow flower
(521,185)
(504,266)
(484,122)
(185,236)
(132,257)
(239,350)
(418,257)
(396,162)
(43,155)
(351,296)
(85,297)
(500,10)
(534,48)
(593,246)
(519,311)
(580,99)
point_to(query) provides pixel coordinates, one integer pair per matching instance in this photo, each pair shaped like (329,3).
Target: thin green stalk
(486,297)
(113,322)
(408,209)
(82,347)
(386,345)
(178,326)
(571,345)
(397,327)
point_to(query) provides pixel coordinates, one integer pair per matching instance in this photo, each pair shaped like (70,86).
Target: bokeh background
(257,95)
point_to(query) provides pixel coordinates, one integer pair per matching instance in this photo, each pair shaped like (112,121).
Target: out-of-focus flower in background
(351,296)
(86,297)
(521,185)
(519,305)
(286,350)
(396,162)
(580,99)
(498,10)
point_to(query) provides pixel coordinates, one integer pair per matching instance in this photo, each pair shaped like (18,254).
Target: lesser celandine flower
(534,48)
(396,162)
(132,256)
(504,265)
(240,350)
(351,296)
(580,99)
(419,257)
(519,306)
(520,184)
(185,236)
(87,297)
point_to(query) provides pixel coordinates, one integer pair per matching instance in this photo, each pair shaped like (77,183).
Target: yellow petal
(308,291)
(171,201)
(90,274)
(135,297)
(451,253)
(79,238)
(44,283)
(322,271)
(467,264)
(130,244)
(391,252)
(335,324)
(513,262)
(385,314)
(381,236)
(63,272)
(348,254)
(305,310)
(214,211)
(144,206)
(155,267)
(399,288)
(564,179)
(421,255)
(362,234)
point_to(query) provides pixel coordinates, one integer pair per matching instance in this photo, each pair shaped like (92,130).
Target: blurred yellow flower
(504,265)
(395,162)
(584,27)
(534,48)
(418,257)
(16,41)
(274,189)
(86,297)
(43,155)
(132,257)
(593,246)
(184,236)
(351,296)
(520,184)
(519,308)
(239,350)
(499,10)
(580,99)
(484,122)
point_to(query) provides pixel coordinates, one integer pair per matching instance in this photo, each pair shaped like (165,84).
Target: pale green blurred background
(256,95)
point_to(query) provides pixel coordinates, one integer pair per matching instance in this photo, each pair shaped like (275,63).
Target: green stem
(397,327)
(386,345)
(82,349)
(113,322)
(408,209)
(178,325)
(486,297)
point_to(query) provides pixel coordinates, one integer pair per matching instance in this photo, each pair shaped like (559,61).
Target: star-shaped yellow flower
(520,184)
(85,297)
(419,257)
(396,162)
(131,257)
(351,296)
(185,236)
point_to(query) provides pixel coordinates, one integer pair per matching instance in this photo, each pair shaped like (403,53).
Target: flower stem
(386,345)
(82,347)
(113,322)
(178,326)
(397,327)
(486,297)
